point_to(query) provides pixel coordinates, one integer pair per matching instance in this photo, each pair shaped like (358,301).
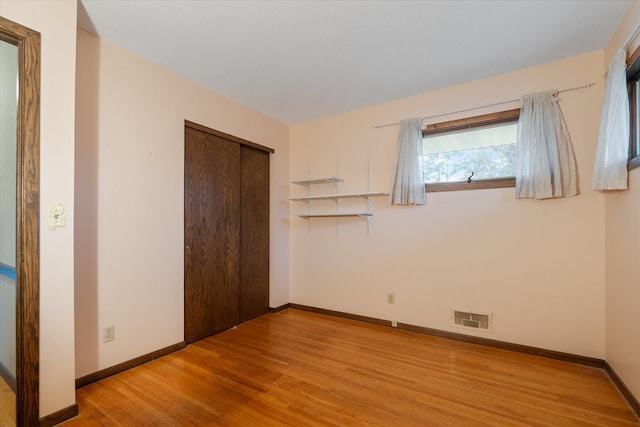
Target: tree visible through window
(482,148)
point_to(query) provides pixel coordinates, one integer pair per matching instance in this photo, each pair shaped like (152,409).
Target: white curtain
(546,166)
(610,167)
(407,182)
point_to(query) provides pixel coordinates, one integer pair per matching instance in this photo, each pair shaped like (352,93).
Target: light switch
(57,216)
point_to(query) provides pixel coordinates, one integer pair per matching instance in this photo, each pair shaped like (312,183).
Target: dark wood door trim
(28,213)
(240,141)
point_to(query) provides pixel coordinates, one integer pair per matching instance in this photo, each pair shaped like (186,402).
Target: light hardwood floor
(7,405)
(305,369)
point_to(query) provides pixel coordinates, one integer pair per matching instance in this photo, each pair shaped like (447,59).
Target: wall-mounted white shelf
(307,182)
(337,215)
(338,196)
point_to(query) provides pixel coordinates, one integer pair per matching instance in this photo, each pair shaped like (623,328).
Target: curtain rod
(483,106)
(632,36)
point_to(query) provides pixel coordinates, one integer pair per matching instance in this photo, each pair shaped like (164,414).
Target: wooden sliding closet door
(226,231)
(254,233)
(212,234)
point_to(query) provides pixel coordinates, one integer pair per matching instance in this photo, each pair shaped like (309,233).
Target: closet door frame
(240,141)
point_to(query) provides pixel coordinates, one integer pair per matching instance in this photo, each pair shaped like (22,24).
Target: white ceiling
(297,61)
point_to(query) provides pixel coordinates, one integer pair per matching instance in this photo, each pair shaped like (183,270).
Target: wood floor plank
(305,369)
(7,405)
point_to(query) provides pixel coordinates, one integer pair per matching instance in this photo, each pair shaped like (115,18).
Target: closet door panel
(254,233)
(212,234)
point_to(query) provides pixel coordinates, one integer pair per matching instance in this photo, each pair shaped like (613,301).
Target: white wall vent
(472,319)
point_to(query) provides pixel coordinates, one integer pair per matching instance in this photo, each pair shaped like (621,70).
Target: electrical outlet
(394,323)
(391,298)
(109,334)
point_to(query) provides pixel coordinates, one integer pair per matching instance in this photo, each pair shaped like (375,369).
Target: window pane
(488,152)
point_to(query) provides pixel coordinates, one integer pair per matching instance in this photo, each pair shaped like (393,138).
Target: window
(633,80)
(472,153)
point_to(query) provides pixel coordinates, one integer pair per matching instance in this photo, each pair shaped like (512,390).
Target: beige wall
(537,265)
(129,191)
(622,250)
(56,21)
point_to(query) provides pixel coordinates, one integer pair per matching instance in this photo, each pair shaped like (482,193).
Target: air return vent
(472,319)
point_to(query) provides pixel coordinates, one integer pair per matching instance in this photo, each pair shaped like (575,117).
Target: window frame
(506,116)
(633,80)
